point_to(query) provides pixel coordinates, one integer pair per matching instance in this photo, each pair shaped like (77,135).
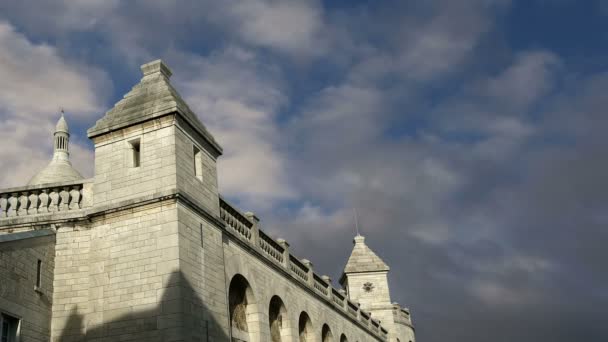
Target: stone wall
(266,281)
(130,277)
(116,179)
(18,296)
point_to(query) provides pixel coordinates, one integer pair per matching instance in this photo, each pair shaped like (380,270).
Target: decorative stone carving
(12,205)
(3,204)
(44,201)
(65,199)
(75,195)
(32,208)
(23,201)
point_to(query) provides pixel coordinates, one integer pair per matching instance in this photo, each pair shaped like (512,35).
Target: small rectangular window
(39,274)
(135,152)
(8,328)
(198,163)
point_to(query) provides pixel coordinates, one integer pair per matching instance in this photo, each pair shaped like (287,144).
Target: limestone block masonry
(148,250)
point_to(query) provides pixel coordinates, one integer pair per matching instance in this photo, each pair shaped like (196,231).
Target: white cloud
(238,98)
(529,77)
(35,83)
(288,26)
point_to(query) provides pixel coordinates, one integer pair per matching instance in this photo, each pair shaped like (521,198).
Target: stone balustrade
(298,268)
(271,247)
(245,227)
(236,221)
(41,199)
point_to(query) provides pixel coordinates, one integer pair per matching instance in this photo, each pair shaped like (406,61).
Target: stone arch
(244,317)
(278,320)
(343,338)
(326,335)
(305,330)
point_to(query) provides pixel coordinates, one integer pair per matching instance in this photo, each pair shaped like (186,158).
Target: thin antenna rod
(356,221)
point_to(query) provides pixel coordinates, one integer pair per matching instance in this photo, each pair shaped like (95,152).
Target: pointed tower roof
(60,168)
(363,259)
(152,97)
(62,125)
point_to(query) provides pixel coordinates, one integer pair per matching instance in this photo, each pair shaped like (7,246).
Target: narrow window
(39,274)
(135,152)
(198,162)
(8,328)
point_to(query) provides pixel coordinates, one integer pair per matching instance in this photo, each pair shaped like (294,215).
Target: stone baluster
(65,199)
(23,201)
(32,208)
(3,204)
(285,246)
(327,279)
(12,205)
(75,195)
(255,229)
(54,196)
(308,265)
(44,201)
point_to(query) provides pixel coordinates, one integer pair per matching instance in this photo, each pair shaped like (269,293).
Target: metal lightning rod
(356,221)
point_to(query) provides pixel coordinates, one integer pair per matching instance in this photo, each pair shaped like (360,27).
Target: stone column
(310,274)
(327,279)
(285,246)
(255,229)
(3,204)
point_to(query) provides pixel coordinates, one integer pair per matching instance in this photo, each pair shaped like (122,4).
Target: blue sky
(469,135)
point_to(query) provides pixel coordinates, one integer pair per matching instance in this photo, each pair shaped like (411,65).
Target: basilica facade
(148,250)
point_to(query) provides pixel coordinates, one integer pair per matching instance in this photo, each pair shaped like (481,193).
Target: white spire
(59,169)
(61,139)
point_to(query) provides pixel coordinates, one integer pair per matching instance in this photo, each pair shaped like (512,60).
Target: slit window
(198,162)
(39,274)
(135,152)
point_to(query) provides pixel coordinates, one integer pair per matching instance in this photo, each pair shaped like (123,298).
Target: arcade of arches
(245,319)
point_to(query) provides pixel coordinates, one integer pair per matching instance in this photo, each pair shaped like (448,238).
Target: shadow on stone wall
(179,316)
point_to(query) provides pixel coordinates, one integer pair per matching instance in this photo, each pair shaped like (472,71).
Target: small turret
(60,168)
(365,279)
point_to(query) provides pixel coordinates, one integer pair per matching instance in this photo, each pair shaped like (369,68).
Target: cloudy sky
(469,135)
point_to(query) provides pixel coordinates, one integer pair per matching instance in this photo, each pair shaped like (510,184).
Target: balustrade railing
(352,308)
(320,285)
(235,220)
(271,247)
(40,200)
(298,268)
(337,297)
(375,325)
(242,226)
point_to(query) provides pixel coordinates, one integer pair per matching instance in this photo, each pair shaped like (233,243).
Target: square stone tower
(365,279)
(143,261)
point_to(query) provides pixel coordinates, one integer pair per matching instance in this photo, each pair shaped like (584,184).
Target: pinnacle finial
(155,67)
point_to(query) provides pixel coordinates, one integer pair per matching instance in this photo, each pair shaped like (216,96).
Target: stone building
(148,250)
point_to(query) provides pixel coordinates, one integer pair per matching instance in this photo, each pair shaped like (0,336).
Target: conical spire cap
(62,125)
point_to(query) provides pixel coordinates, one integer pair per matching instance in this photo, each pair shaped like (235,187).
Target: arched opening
(277,318)
(305,328)
(326,334)
(343,338)
(242,310)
